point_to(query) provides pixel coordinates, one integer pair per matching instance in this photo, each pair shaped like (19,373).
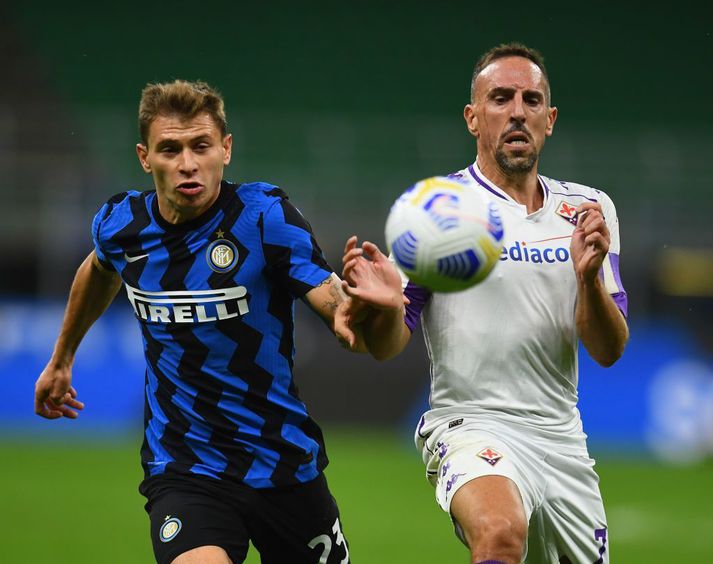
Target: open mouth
(517,139)
(189,188)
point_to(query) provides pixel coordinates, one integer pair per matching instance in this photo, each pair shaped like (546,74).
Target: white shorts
(560,492)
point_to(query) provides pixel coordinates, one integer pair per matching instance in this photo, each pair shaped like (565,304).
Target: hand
(590,241)
(350,313)
(375,282)
(54,395)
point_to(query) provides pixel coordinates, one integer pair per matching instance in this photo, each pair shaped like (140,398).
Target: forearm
(601,327)
(93,289)
(385,333)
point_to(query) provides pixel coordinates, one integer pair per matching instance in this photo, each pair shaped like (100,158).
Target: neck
(523,187)
(174,213)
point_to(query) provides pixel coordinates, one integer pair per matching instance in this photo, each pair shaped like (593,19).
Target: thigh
(487,504)
(187,513)
(572,511)
(204,555)
(460,457)
(299,524)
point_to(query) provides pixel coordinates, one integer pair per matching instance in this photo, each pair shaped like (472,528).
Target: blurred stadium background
(344,105)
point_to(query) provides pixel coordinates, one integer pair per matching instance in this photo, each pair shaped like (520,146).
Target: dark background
(344,105)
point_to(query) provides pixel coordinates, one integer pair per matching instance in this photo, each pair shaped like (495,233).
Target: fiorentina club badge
(568,211)
(490,456)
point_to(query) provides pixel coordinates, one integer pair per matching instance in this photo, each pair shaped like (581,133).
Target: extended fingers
(352,254)
(352,270)
(352,291)
(373,251)
(350,244)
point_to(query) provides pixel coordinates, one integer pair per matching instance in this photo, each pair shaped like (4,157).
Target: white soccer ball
(444,235)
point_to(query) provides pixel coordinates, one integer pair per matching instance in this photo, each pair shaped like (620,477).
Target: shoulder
(573,193)
(121,208)
(261,194)
(575,190)
(273,205)
(460,175)
(124,199)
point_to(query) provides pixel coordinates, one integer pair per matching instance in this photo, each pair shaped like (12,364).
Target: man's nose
(188,162)
(518,109)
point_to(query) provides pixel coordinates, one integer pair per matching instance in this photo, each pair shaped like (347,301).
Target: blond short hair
(180,98)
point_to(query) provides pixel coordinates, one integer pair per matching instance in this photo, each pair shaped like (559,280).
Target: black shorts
(296,524)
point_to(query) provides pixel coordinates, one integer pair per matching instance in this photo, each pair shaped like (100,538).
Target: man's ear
(551,119)
(227,148)
(471,121)
(142,152)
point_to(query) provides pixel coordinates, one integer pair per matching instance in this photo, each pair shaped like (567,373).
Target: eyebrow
(509,91)
(172,141)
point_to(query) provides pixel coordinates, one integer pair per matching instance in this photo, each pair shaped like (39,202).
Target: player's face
(186,158)
(510,115)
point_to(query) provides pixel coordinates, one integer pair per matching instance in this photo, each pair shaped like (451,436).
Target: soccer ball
(444,235)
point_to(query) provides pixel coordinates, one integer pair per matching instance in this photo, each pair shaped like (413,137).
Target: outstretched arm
(375,287)
(601,326)
(92,291)
(337,310)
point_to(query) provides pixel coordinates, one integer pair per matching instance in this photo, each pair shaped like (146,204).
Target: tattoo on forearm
(336,294)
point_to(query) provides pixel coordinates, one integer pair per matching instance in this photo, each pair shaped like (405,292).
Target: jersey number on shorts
(601,534)
(326,540)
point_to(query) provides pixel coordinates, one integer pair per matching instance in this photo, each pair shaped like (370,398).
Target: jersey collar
(491,187)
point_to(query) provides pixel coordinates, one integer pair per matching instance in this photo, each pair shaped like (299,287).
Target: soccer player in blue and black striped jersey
(212,270)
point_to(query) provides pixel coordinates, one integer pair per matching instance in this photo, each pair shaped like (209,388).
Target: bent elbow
(608,358)
(606,362)
(384,355)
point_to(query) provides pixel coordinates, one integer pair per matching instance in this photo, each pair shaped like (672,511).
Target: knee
(498,538)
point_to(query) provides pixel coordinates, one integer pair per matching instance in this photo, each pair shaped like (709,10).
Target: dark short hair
(180,98)
(513,49)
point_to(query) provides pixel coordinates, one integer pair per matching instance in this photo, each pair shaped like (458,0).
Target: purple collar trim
(485,185)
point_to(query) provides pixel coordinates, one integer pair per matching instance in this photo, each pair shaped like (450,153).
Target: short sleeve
(418,298)
(610,273)
(96,235)
(292,254)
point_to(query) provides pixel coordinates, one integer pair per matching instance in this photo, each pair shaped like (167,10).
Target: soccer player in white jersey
(503,442)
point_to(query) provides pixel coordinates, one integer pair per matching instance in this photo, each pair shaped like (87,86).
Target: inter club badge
(222,255)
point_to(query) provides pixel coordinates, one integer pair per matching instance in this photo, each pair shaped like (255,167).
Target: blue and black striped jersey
(214,297)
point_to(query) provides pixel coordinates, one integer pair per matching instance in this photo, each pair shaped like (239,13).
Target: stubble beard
(515,165)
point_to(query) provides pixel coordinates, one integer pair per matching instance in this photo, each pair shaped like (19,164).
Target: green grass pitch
(78,503)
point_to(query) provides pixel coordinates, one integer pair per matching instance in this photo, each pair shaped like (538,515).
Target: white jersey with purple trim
(505,351)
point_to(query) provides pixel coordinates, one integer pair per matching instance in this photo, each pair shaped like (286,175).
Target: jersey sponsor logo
(568,211)
(170,528)
(186,306)
(520,252)
(222,255)
(491,456)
